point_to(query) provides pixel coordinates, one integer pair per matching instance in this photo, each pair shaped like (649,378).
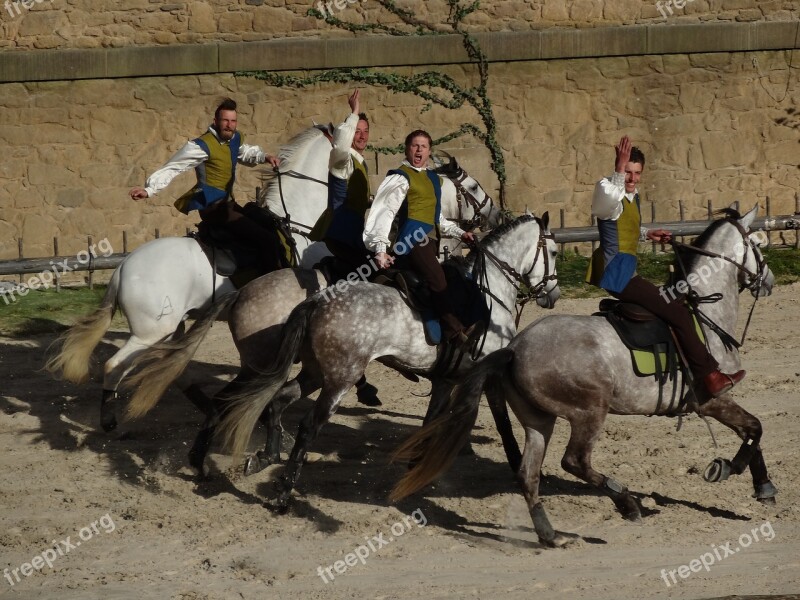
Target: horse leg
(301,386)
(538,429)
(115,369)
(749,429)
(497,403)
(577,460)
(324,408)
(367,393)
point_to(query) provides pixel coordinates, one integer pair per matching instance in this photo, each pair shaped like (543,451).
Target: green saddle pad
(644,361)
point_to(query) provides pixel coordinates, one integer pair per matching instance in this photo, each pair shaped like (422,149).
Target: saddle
(229,257)
(465,296)
(652,347)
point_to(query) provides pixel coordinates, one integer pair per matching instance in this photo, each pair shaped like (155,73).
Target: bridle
(462,193)
(754,283)
(526,290)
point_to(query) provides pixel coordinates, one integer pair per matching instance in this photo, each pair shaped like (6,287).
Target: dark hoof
(718,470)
(367,395)
(765,493)
(197,463)
(256,463)
(108,421)
(280,507)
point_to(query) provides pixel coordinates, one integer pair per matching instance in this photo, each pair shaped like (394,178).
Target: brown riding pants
(642,292)
(424,261)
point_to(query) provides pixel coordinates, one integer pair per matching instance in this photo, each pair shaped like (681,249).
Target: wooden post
(653,219)
(57,274)
(91,272)
(593,222)
(124,241)
(710,211)
(21,254)
(561,214)
(158,233)
(682,210)
(769,233)
(797,212)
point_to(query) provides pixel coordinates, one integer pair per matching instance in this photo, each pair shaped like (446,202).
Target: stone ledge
(377,51)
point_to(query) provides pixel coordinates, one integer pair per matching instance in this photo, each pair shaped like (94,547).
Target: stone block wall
(51,24)
(720,126)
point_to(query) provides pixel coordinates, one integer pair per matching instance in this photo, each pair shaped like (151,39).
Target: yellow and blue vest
(421,208)
(215,176)
(613,264)
(348,201)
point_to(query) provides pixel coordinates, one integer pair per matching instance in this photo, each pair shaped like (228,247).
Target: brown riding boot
(718,383)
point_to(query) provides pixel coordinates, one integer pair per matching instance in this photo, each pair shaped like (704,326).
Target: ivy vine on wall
(431,86)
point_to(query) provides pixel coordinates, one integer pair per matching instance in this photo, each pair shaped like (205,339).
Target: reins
(695,299)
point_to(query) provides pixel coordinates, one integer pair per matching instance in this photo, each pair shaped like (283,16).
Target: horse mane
(289,151)
(499,232)
(690,258)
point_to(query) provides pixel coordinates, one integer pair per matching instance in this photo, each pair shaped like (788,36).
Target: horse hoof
(768,501)
(108,423)
(718,470)
(560,541)
(367,395)
(766,493)
(254,464)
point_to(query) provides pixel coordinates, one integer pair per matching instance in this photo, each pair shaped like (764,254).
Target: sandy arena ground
(157,534)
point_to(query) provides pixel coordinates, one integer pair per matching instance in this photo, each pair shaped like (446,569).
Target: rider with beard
(214,156)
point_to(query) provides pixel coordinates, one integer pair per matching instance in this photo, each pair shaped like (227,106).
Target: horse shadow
(68,415)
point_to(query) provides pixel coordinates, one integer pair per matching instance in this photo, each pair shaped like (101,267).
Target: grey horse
(337,336)
(576,368)
(256,317)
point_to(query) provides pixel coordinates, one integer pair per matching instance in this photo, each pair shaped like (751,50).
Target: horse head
(474,203)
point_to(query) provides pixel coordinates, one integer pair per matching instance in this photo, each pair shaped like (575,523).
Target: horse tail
(244,409)
(435,445)
(69,354)
(157,367)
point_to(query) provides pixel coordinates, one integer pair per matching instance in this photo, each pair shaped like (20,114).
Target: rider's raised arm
(188,157)
(341,161)
(388,199)
(607,198)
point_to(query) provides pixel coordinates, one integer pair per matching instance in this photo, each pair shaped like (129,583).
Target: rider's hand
(353,101)
(383,260)
(623,150)
(138,193)
(468,237)
(273,160)
(659,235)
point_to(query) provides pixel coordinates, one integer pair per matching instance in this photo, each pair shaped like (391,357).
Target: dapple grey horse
(576,368)
(337,335)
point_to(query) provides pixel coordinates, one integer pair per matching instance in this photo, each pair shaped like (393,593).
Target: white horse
(165,281)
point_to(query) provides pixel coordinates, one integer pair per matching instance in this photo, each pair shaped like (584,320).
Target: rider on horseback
(613,264)
(342,223)
(414,193)
(214,156)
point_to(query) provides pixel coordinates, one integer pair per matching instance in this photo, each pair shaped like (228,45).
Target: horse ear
(747,220)
(546,220)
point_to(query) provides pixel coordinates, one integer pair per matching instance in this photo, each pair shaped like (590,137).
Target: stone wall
(717,126)
(50,24)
